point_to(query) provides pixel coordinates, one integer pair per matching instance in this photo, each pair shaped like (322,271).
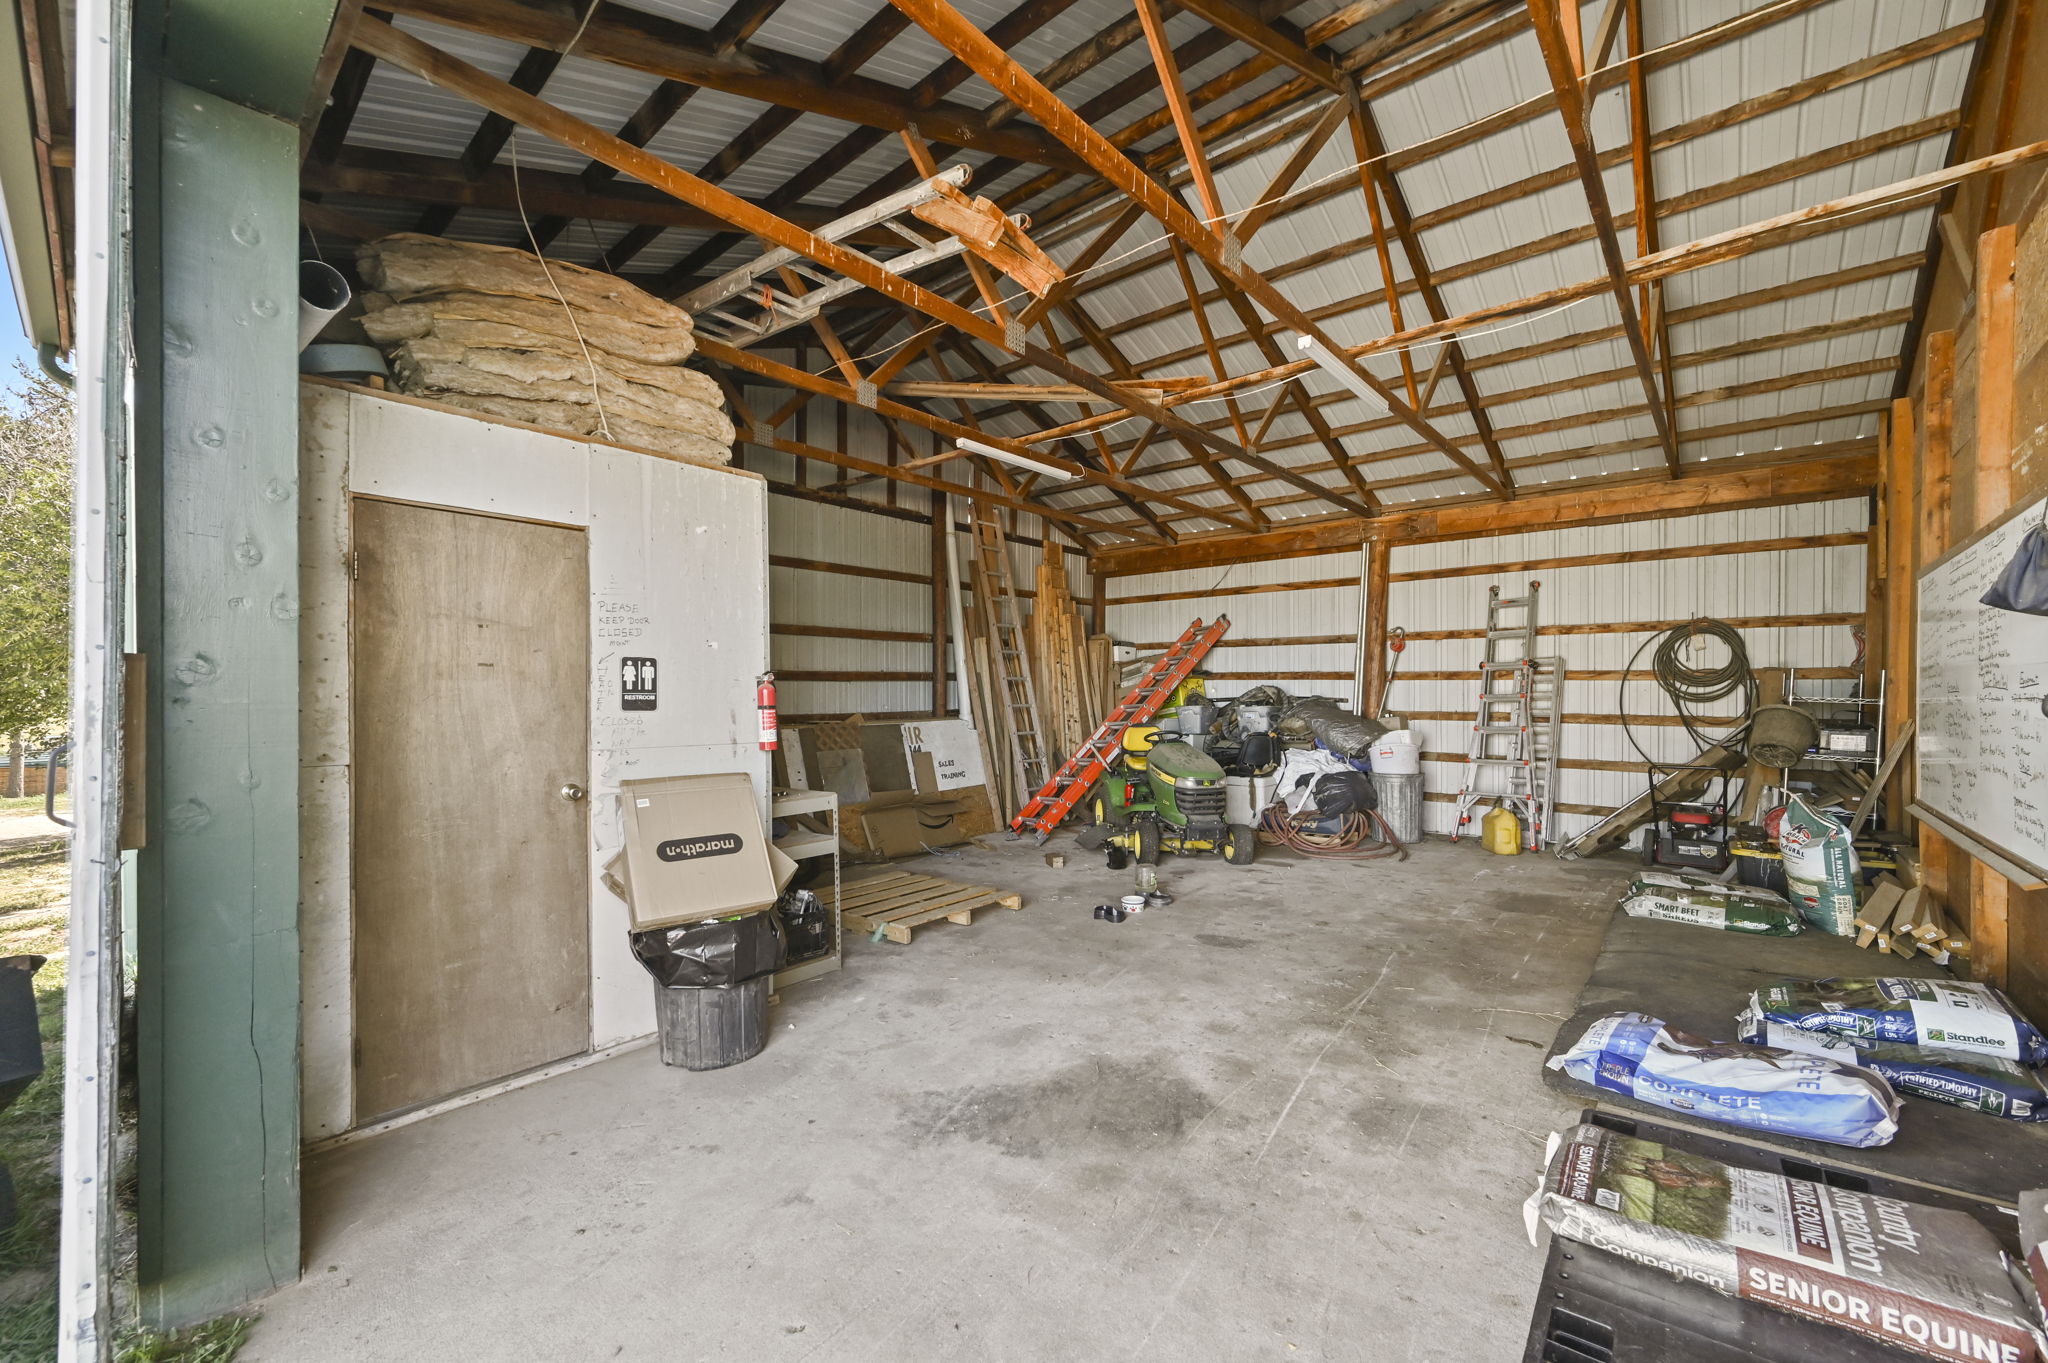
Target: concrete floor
(1293,1115)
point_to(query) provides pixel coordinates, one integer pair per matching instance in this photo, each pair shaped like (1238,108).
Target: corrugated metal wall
(841,568)
(1304,640)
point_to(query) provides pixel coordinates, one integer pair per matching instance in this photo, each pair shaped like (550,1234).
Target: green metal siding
(259,53)
(217,558)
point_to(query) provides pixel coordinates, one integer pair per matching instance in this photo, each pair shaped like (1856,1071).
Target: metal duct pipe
(322,293)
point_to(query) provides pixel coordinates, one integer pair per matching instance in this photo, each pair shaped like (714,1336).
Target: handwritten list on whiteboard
(1982,746)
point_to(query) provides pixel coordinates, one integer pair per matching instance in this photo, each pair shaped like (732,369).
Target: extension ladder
(1516,729)
(1079,773)
(1017,695)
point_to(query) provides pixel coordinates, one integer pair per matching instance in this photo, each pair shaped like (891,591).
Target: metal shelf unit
(804,844)
(1872,706)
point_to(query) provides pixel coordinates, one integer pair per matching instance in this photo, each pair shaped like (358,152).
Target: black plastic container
(708,1029)
(711,983)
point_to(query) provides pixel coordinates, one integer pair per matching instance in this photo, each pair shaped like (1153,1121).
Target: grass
(34,885)
(33,804)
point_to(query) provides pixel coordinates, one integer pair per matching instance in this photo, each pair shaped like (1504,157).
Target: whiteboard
(1982,749)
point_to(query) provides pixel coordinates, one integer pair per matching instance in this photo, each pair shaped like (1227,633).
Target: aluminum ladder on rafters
(1079,773)
(1500,765)
(753,302)
(996,588)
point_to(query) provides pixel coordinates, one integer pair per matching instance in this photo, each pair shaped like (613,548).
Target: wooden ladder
(995,589)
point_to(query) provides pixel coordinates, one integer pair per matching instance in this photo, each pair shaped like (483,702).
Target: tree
(35,566)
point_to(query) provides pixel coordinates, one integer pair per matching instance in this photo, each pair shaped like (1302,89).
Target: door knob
(572,792)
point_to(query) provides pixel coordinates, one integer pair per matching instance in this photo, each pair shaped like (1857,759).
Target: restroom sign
(636,683)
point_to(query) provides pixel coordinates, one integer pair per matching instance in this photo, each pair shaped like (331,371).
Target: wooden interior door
(470,875)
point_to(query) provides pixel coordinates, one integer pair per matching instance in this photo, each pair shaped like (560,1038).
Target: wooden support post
(1372,639)
(1937,451)
(1995,378)
(942,583)
(1991,894)
(1899,485)
(1945,874)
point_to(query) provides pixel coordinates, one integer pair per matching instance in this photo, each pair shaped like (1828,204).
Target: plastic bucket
(1397,754)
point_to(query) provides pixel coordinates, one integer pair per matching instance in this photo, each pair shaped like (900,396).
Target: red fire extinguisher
(764,702)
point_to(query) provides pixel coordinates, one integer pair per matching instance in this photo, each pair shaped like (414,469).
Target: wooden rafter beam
(1595,504)
(1369,145)
(1565,58)
(412,178)
(1270,39)
(1817,219)
(805,382)
(1848,326)
(1177,104)
(1650,296)
(995,66)
(1937,126)
(667,48)
(437,68)
(492,133)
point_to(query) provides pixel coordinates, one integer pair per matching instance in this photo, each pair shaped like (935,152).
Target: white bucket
(1397,754)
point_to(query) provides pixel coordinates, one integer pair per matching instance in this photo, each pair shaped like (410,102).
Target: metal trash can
(1400,802)
(711,985)
(708,1029)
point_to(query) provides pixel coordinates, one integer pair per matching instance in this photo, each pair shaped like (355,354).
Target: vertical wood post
(1937,451)
(942,583)
(1897,442)
(1372,637)
(1990,893)
(1938,870)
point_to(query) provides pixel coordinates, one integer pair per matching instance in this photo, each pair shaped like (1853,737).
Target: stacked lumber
(1059,659)
(495,330)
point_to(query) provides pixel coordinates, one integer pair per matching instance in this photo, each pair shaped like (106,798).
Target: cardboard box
(902,823)
(695,849)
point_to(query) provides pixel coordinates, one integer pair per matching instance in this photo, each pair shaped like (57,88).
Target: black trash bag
(1335,727)
(806,923)
(2023,586)
(1344,792)
(714,954)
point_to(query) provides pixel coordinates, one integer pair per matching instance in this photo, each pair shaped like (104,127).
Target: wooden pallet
(898,903)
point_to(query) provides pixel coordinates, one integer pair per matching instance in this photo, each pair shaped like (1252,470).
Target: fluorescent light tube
(1339,369)
(1052,471)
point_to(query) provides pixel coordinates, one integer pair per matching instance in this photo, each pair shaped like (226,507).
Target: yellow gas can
(1500,831)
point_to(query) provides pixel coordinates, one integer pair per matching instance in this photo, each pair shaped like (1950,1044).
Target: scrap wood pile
(495,330)
(1072,668)
(1072,674)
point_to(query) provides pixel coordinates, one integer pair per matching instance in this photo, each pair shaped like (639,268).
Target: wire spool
(1782,735)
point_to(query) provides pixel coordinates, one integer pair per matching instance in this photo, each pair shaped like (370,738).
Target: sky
(13,343)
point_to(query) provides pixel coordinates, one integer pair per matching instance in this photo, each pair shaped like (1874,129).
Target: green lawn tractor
(1164,797)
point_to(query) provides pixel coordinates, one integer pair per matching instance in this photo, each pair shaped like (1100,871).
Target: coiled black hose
(1690,686)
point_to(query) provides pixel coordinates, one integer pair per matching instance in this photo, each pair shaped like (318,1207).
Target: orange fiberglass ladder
(1079,773)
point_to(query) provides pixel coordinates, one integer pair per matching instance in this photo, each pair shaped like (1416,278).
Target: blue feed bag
(1758,1087)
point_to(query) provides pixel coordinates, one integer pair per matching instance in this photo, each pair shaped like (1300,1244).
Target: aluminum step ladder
(1515,693)
(995,588)
(1079,773)
(1546,745)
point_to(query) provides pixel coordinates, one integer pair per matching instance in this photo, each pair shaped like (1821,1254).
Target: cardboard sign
(945,749)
